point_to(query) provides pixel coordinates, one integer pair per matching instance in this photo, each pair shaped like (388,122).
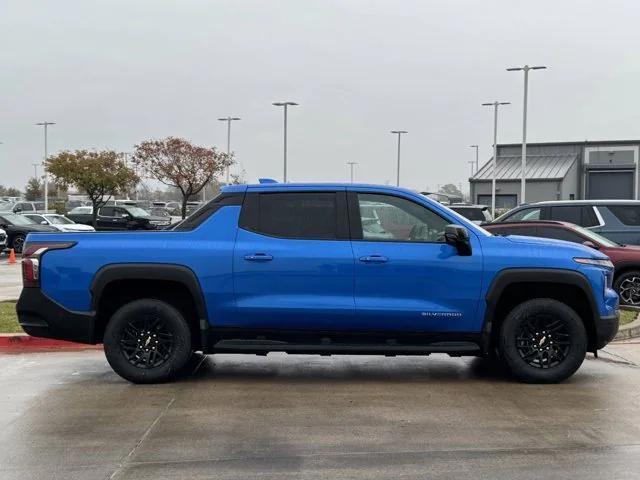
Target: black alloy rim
(146,342)
(18,243)
(543,341)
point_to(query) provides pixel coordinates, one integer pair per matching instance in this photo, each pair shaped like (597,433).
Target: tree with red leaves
(179,163)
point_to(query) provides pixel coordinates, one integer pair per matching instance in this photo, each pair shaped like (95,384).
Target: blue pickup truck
(320,269)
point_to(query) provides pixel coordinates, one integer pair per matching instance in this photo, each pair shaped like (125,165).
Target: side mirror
(44,222)
(590,244)
(458,236)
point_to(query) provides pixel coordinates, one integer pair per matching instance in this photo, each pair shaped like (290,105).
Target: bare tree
(178,163)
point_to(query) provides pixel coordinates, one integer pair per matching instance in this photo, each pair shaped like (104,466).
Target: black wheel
(543,341)
(628,287)
(18,243)
(147,341)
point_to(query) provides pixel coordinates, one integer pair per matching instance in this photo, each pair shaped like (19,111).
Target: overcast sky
(113,73)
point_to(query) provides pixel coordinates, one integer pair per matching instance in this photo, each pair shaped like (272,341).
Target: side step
(265,346)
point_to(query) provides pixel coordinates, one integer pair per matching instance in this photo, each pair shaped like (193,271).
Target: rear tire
(147,341)
(543,341)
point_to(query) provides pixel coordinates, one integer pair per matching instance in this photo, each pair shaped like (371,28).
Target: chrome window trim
(598,216)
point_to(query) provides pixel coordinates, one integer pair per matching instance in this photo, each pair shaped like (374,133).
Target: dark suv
(618,220)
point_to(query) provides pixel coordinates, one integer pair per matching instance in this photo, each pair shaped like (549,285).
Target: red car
(625,258)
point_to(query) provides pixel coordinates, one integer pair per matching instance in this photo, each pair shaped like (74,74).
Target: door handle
(258,257)
(374,259)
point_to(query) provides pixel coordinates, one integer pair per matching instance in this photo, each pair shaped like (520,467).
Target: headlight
(598,262)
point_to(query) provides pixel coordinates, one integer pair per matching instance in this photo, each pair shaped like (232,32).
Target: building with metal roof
(561,171)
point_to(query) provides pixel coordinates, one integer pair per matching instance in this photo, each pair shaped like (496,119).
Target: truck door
(108,219)
(406,277)
(293,264)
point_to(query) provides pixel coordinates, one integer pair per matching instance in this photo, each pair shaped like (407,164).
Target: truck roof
(275,186)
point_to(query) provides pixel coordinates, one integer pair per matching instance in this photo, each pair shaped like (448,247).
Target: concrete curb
(20,341)
(630,330)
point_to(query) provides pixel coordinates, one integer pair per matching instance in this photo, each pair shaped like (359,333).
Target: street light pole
(125,158)
(523,180)
(399,133)
(228,120)
(35,170)
(471,162)
(351,164)
(286,106)
(495,106)
(46,155)
(476,147)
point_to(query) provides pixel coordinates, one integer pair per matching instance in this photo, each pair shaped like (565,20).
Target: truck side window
(299,215)
(388,218)
(106,212)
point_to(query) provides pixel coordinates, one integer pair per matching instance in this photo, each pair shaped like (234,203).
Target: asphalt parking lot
(68,416)
(10,279)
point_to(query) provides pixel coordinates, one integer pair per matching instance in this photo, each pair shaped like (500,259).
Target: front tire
(18,243)
(147,341)
(627,286)
(543,341)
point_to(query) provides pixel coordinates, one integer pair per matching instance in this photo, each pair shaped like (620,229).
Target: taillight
(31,255)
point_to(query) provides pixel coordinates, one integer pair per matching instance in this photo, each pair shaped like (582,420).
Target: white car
(60,222)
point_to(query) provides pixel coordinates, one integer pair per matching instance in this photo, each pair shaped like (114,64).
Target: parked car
(3,240)
(618,220)
(18,227)
(164,212)
(625,258)
(82,210)
(478,214)
(59,222)
(123,217)
(291,268)
(168,205)
(71,204)
(27,207)
(442,198)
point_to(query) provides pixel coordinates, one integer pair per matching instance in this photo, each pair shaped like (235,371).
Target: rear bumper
(39,316)
(606,329)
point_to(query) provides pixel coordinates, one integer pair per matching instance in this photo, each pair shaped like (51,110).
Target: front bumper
(606,329)
(39,316)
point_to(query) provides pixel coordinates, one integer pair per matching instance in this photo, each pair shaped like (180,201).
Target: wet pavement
(10,279)
(67,416)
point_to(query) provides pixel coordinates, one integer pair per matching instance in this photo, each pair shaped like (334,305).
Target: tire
(18,243)
(628,287)
(147,341)
(543,341)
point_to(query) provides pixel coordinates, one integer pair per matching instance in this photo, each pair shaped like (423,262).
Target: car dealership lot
(67,415)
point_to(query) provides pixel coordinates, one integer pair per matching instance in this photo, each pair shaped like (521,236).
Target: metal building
(561,171)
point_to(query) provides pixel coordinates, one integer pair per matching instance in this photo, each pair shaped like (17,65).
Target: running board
(266,346)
